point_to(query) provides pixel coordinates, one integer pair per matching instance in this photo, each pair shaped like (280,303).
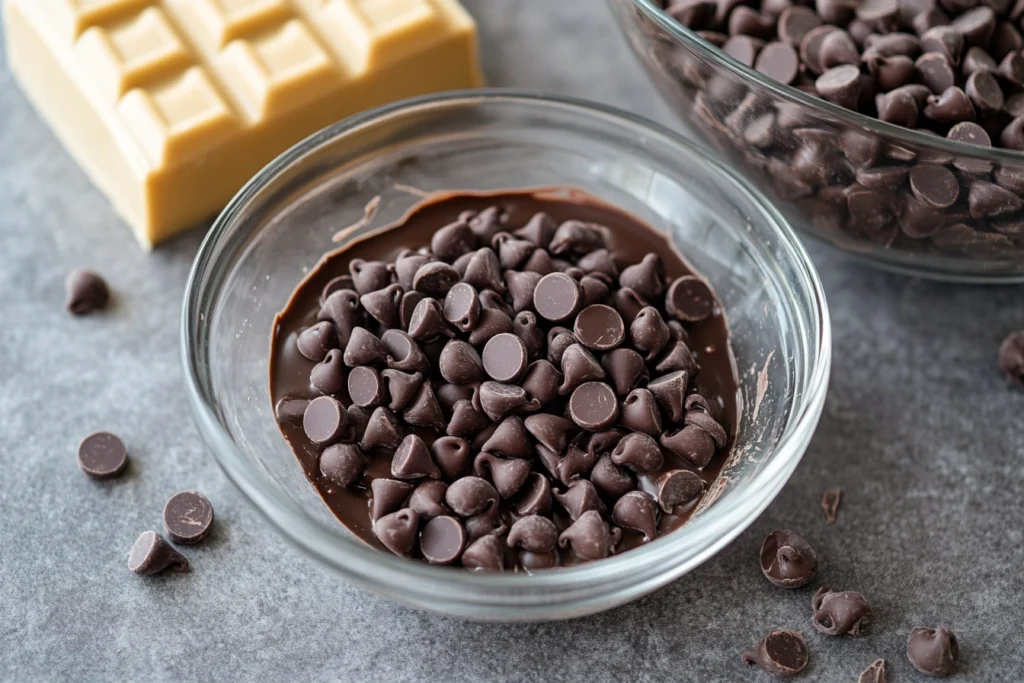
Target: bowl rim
(356,560)
(791,94)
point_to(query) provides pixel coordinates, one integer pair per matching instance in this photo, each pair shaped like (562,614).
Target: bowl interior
(283,223)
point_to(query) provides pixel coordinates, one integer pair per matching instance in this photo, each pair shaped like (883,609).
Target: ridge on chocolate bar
(172,105)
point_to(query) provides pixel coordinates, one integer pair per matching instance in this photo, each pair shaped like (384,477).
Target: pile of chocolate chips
(951,68)
(532,395)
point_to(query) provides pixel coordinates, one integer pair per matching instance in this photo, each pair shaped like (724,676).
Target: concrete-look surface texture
(920,430)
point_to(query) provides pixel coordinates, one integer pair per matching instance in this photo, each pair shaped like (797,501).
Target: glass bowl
(282,222)
(857,197)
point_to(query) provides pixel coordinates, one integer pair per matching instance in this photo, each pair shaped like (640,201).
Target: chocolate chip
(610,480)
(435,278)
(576,237)
(649,333)
(987,200)
(933,652)
(364,349)
(625,368)
(743,49)
(891,72)
(86,292)
(315,341)
(875,673)
(810,47)
(484,272)
(830,504)
(337,284)
(290,409)
(151,554)
(533,533)
(511,439)
(382,431)
(636,510)
(388,495)
(984,92)
(486,224)
(1011,355)
(541,381)
(400,386)
(588,536)
(324,420)
(452,241)
(780,653)
(976,25)
(424,410)
(556,297)
(1011,69)
(461,306)
(838,48)
(976,59)
(670,390)
(593,406)
(795,22)
(787,560)
(1012,136)
(397,531)
(945,40)
(677,489)
(640,413)
(534,496)
(599,327)
(343,310)
(639,452)
(578,366)
(102,455)
(506,474)
(935,71)
(837,614)
(328,376)
(897,107)
(935,186)
(369,276)
(689,299)
(551,431)
(952,106)
(746,21)
(504,358)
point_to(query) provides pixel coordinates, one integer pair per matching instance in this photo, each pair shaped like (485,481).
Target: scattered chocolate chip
(933,652)
(86,292)
(837,614)
(102,455)
(1011,355)
(188,517)
(830,504)
(780,653)
(151,554)
(875,673)
(787,560)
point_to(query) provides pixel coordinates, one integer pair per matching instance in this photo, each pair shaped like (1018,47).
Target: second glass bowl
(282,222)
(838,175)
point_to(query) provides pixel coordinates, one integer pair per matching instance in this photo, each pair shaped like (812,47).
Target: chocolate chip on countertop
(188,517)
(830,504)
(1011,355)
(151,554)
(780,653)
(933,652)
(836,614)
(787,560)
(86,292)
(875,673)
(102,455)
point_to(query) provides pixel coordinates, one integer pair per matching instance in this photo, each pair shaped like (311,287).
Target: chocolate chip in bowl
(486,439)
(816,102)
(591,239)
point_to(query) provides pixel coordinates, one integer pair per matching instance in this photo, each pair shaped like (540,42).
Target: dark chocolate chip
(588,536)
(935,71)
(315,341)
(403,353)
(984,92)
(1012,136)
(102,455)
(511,438)
(188,517)
(343,310)
(578,366)
(649,333)
(397,531)
(636,510)
(628,303)
(838,48)
(504,358)
(484,554)
(512,252)
(533,533)
(945,40)
(534,496)
(976,59)
(987,200)
(746,21)
(780,653)
(743,49)
(452,241)
(428,322)
(364,348)
(556,297)
(412,460)
(460,363)
(795,22)
(952,106)
(424,410)
(151,554)
(492,322)
(933,652)
(442,540)
(506,474)
(522,285)
(324,420)
(1011,355)
(369,276)
(484,272)
(639,452)
(640,413)
(401,387)
(787,560)
(677,489)
(593,406)
(935,186)
(1011,69)
(382,431)
(541,381)
(625,368)
(406,266)
(366,387)
(290,409)
(525,326)
(670,390)
(810,47)
(976,25)
(875,673)
(342,464)
(435,278)
(337,284)
(552,431)
(461,306)
(830,504)
(328,376)
(599,327)
(838,614)
(611,480)
(498,400)
(384,304)
(577,237)
(689,299)
(489,222)
(86,292)
(891,72)
(539,230)
(388,495)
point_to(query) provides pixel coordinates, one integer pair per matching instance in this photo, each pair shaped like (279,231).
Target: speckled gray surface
(920,430)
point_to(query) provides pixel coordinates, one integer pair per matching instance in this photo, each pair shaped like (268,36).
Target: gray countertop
(920,431)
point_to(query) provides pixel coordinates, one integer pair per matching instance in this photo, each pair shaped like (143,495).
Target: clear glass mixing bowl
(281,223)
(766,129)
